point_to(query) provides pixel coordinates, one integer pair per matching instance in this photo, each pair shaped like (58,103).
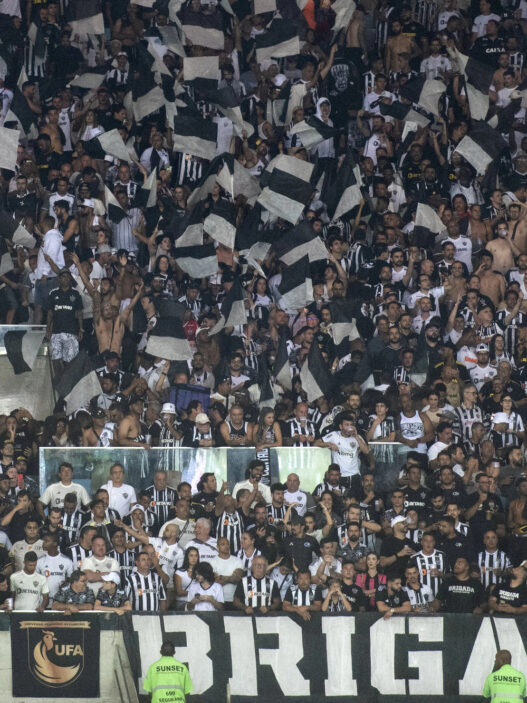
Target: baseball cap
(89,203)
(104,248)
(169,408)
(202,419)
(112,576)
(482,348)
(136,506)
(397,519)
(279,80)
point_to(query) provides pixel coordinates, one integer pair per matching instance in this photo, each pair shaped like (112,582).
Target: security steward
(505,684)
(167,679)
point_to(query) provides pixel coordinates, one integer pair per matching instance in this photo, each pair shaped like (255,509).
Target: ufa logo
(55,651)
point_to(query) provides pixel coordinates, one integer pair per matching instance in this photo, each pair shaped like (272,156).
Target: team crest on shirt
(307,544)
(125,495)
(35,583)
(61,566)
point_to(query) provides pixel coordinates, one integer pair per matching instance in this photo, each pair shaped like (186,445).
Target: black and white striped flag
(233,311)
(22,347)
(205,30)
(167,340)
(424,92)
(478,79)
(108,143)
(195,136)
(346,194)
(80,384)
(20,115)
(220,223)
(84,16)
(202,72)
(281,39)
(342,321)
(147,95)
(315,378)
(313,131)
(481,146)
(300,241)
(146,195)
(15,231)
(115,211)
(404,112)
(189,231)
(296,286)
(427,225)
(197,261)
(282,367)
(288,188)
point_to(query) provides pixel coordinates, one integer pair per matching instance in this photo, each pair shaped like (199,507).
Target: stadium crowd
(391,308)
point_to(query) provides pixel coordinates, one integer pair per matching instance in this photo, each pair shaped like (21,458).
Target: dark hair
(185,566)
(205,569)
(167,649)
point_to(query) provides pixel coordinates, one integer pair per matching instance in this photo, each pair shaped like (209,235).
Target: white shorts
(64,346)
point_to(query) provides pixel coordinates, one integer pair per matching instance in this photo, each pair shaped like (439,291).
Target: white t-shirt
(207,550)
(121,497)
(480,23)
(99,566)
(297,497)
(264,490)
(20,548)
(170,555)
(28,590)
(186,530)
(478,375)
(54,494)
(216,591)
(226,567)
(463,247)
(348,454)
(56,569)
(434,66)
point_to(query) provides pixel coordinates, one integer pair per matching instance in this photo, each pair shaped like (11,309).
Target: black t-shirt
(355,596)
(416,499)
(344,82)
(459,546)
(390,546)
(393,601)
(513,595)
(460,596)
(64,305)
(300,549)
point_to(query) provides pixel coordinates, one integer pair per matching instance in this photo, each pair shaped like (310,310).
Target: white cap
(395,520)
(88,203)
(279,79)
(266,64)
(112,576)
(169,408)
(202,419)
(482,348)
(137,506)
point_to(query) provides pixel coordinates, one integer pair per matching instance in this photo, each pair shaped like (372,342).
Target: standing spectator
(30,589)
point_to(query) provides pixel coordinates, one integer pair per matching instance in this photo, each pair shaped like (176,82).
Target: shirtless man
(502,248)
(492,284)
(355,32)
(398,44)
(517,226)
(52,128)
(457,281)
(480,231)
(131,433)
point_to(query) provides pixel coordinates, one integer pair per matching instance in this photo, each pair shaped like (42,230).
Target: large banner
(54,656)
(335,659)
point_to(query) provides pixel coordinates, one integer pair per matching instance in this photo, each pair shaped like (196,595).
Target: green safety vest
(506,685)
(168,681)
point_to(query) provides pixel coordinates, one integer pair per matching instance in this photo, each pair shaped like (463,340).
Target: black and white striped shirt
(275,514)
(71,524)
(145,593)
(77,554)
(419,598)
(248,560)
(259,593)
(161,502)
(465,418)
(126,561)
(296,596)
(425,563)
(296,427)
(511,330)
(488,563)
(230,525)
